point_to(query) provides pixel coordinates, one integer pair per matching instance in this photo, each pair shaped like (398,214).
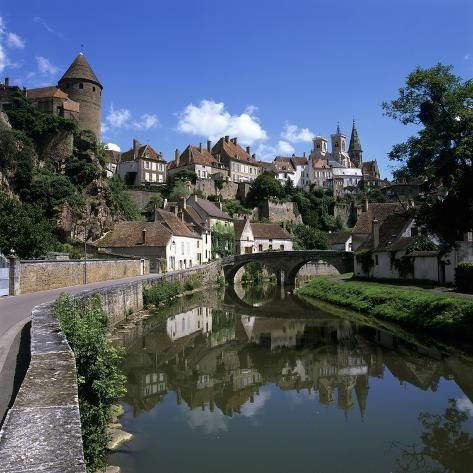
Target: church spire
(354,149)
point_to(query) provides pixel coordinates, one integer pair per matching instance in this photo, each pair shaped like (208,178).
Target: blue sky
(272,72)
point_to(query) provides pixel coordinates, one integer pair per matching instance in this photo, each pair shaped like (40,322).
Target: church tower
(354,149)
(81,85)
(338,145)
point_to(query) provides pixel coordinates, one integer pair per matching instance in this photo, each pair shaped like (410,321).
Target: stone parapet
(42,431)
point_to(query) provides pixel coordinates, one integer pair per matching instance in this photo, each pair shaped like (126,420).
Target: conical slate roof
(80,69)
(355,144)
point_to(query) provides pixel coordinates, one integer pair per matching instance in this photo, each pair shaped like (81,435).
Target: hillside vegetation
(48,198)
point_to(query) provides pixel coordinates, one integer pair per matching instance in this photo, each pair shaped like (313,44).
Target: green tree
(440,104)
(25,229)
(264,187)
(179,192)
(309,238)
(154,203)
(232,207)
(289,188)
(121,201)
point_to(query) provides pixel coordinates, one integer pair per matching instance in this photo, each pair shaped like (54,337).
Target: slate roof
(210,209)
(142,151)
(238,226)
(130,234)
(338,238)
(46,92)
(174,224)
(80,69)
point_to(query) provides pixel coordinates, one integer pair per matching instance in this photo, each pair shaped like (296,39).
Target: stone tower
(354,149)
(81,84)
(338,146)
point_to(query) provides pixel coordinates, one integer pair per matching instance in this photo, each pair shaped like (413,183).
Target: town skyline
(276,81)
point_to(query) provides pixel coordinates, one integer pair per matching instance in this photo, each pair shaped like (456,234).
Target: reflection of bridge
(286,264)
(278,305)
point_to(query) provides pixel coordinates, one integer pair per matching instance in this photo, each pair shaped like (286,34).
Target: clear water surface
(255,381)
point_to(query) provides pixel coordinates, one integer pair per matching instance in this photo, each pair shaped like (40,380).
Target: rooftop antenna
(338,127)
(81,49)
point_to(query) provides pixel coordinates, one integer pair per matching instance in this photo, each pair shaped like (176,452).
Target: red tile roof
(380,212)
(143,152)
(46,92)
(174,224)
(232,151)
(262,230)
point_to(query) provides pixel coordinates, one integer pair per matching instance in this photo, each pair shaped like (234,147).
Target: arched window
(93,88)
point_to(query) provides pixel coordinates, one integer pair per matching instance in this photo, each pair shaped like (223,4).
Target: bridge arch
(286,264)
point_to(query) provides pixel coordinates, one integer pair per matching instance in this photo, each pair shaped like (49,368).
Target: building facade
(260,237)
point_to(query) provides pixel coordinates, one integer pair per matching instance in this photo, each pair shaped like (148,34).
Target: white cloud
(249,409)
(146,122)
(268,152)
(11,40)
(122,118)
(40,21)
(210,422)
(45,67)
(294,134)
(112,147)
(210,119)
(14,41)
(465,405)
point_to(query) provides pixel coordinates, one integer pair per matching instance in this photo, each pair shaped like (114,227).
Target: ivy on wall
(223,240)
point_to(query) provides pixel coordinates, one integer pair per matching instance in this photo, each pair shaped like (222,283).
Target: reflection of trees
(445,446)
(256,295)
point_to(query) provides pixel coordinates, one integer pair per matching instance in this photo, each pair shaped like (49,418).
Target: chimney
(304,154)
(365,205)
(209,146)
(7,81)
(375,233)
(165,203)
(184,203)
(200,147)
(176,157)
(248,150)
(227,139)
(136,145)
(235,141)
(143,236)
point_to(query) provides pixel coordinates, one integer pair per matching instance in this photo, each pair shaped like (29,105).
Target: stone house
(199,160)
(220,224)
(54,101)
(241,165)
(292,167)
(168,243)
(340,241)
(259,237)
(363,228)
(389,253)
(142,165)
(197,225)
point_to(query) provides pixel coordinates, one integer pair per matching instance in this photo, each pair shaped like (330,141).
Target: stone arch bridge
(286,264)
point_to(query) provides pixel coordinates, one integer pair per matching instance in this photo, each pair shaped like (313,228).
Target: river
(257,381)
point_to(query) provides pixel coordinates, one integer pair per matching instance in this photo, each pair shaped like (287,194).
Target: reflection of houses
(197,319)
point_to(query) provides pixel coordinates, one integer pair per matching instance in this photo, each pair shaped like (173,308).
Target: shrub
(464,277)
(162,293)
(99,378)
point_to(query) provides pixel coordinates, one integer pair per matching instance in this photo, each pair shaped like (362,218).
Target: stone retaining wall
(26,276)
(42,431)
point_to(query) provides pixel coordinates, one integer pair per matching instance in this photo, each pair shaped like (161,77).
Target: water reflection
(220,361)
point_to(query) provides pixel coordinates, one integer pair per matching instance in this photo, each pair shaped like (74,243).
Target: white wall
(181,325)
(181,253)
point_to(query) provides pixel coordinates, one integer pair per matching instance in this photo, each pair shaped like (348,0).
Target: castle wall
(277,211)
(57,147)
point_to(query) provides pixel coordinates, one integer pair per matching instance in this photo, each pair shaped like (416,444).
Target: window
(376,259)
(146,165)
(270,247)
(93,88)
(81,85)
(160,178)
(260,247)
(153,177)
(281,247)
(153,166)
(147,176)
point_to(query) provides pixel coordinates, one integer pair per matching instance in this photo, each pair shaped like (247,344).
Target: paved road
(15,312)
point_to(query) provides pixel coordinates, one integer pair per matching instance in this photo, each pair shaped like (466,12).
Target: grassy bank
(429,312)
(99,378)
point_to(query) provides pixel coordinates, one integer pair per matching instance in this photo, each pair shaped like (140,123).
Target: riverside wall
(42,430)
(32,276)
